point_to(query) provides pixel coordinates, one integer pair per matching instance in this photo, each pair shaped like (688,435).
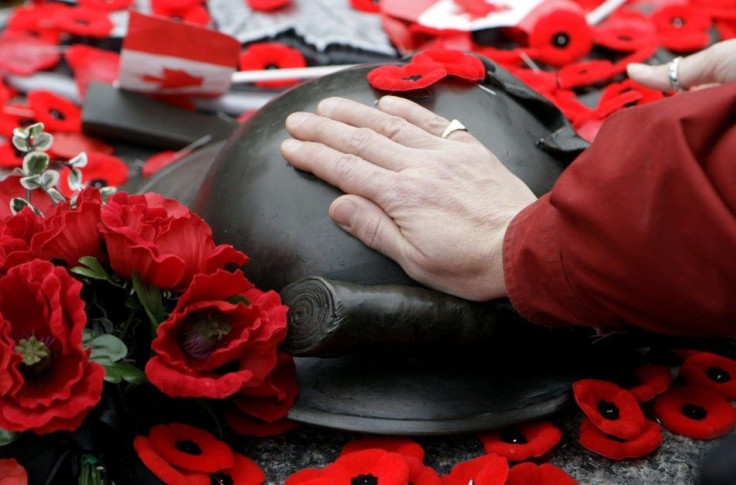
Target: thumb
(694,70)
(367,222)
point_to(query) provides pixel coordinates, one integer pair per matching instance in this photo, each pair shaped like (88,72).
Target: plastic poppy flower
(163,469)
(407,77)
(457,63)
(92,64)
(190,448)
(370,6)
(12,472)
(24,54)
(102,170)
(528,440)
(271,55)
(613,410)
(560,37)
(369,466)
(695,412)
(593,439)
(404,446)
(243,472)
(625,30)
(68,145)
(39,19)
(711,371)
(55,112)
(420,474)
(585,73)
(271,400)
(85,22)
(509,58)
(267,5)
(107,5)
(618,94)
(484,470)
(681,28)
(529,473)
(651,381)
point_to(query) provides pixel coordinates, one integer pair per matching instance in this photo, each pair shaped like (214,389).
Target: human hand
(714,65)
(439,207)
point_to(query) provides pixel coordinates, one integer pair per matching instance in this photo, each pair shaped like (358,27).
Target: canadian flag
(168,57)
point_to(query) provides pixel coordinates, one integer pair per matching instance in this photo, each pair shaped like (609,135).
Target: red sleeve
(641,229)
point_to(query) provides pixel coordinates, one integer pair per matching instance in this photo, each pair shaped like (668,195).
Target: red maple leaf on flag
(173,78)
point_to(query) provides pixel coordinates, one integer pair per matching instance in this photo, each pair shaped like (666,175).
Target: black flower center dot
(98,183)
(271,66)
(81,21)
(56,114)
(364,480)
(221,479)
(560,39)
(694,412)
(716,374)
(188,446)
(608,410)
(415,77)
(615,438)
(678,22)
(513,437)
(26,122)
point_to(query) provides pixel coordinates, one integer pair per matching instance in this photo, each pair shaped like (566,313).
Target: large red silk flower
(161,240)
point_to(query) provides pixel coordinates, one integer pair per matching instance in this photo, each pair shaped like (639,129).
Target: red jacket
(641,228)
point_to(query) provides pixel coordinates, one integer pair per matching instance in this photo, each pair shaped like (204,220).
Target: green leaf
(91,269)
(78,161)
(123,371)
(235,299)
(107,191)
(150,298)
(35,163)
(49,179)
(75,179)
(32,182)
(107,349)
(17,204)
(35,129)
(43,142)
(21,132)
(55,195)
(7,437)
(87,336)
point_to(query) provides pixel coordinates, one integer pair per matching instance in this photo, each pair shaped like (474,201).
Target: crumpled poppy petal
(24,54)
(404,446)
(190,448)
(528,440)
(457,63)
(530,473)
(406,77)
(593,439)
(613,410)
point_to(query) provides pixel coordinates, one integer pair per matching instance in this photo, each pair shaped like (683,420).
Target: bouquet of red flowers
(113,305)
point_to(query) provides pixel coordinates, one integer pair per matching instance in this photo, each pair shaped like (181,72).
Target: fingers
(694,70)
(421,117)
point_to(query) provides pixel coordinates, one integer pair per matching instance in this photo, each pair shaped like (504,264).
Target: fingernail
(327,106)
(343,212)
(639,70)
(296,118)
(290,145)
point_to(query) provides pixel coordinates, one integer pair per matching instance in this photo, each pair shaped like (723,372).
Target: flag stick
(282,74)
(603,10)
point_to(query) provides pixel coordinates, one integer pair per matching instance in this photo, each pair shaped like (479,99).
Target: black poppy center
(678,22)
(608,410)
(98,183)
(81,21)
(513,437)
(188,446)
(271,66)
(716,374)
(221,479)
(26,122)
(364,480)
(415,77)
(694,412)
(615,438)
(56,114)
(560,39)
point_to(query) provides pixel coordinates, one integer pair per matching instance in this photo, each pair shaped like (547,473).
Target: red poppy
(243,472)
(85,22)
(24,54)
(109,5)
(652,380)
(41,305)
(585,73)
(272,399)
(406,77)
(681,28)
(369,466)
(560,37)
(16,232)
(55,112)
(625,30)
(508,58)
(567,101)
(102,170)
(69,145)
(246,425)
(267,5)
(711,371)
(14,115)
(404,446)
(695,412)
(457,63)
(593,439)
(371,6)
(39,19)
(10,157)
(190,448)
(484,470)
(726,29)
(618,94)
(613,410)
(528,440)
(420,474)
(161,240)
(271,55)
(12,472)
(479,8)
(543,82)
(162,469)
(92,64)
(529,473)
(159,160)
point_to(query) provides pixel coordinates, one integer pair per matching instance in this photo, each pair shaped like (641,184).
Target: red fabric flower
(92,64)
(243,472)
(55,112)
(271,400)
(10,187)
(85,22)
(711,371)
(593,439)
(484,470)
(161,240)
(24,54)
(407,77)
(206,333)
(681,28)
(585,73)
(369,466)
(370,6)
(52,384)
(16,233)
(102,170)
(271,55)
(190,448)
(404,446)
(529,440)
(107,5)
(246,425)
(560,37)
(162,469)
(653,380)
(509,58)
(171,8)
(531,474)
(457,63)
(12,472)
(695,412)
(197,15)
(39,19)
(625,30)
(617,94)
(159,160)
(69,145)
(613,410)
(267,5)
(419,474)
(10,157)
